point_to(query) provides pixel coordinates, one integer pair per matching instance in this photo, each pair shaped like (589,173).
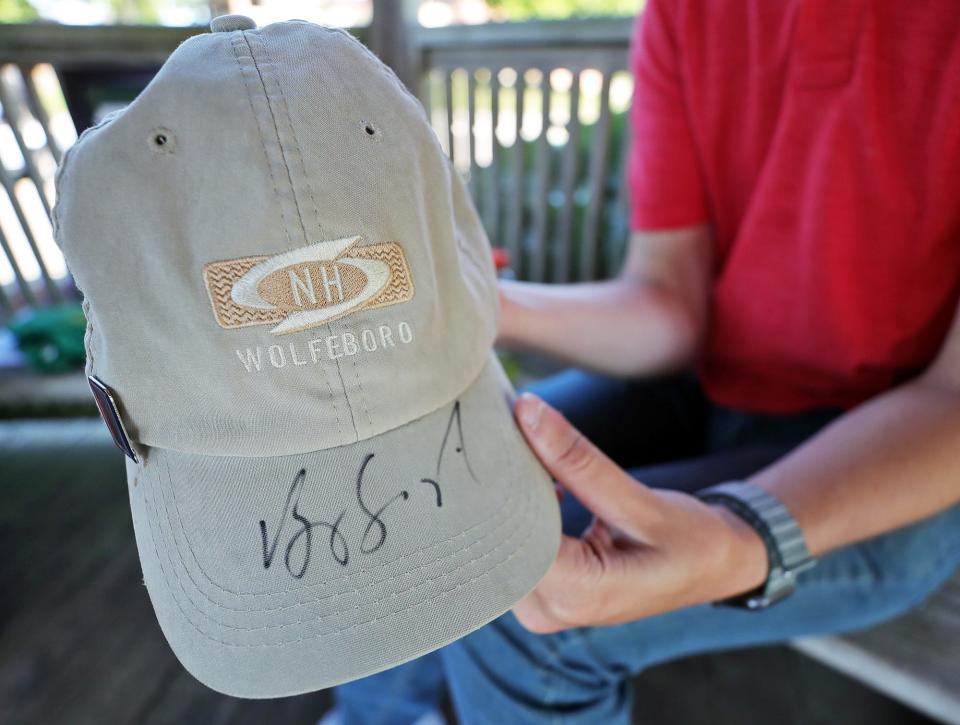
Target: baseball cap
(291,307)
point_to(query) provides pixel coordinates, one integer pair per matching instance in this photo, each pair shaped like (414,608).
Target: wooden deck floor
(79,644)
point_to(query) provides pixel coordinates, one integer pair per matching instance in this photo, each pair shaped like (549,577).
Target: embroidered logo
(307,287)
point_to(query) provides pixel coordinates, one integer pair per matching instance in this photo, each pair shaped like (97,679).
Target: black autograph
(375,530)
(461,448)
(374,518)
(305,532)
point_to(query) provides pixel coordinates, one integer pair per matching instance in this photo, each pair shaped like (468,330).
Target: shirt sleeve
(666,186)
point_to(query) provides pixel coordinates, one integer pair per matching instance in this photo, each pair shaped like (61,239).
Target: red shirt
(821,140)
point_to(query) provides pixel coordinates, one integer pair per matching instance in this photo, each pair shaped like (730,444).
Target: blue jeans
(668,435)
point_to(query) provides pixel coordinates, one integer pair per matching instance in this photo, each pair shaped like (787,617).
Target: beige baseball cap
(291,307)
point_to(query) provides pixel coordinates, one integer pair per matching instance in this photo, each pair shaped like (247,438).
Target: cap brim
(278,576)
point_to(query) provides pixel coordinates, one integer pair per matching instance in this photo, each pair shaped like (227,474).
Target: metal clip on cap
(107,404)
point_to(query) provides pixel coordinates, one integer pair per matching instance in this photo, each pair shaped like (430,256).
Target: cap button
(229,23)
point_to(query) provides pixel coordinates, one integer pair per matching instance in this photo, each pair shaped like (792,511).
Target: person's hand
(648,551)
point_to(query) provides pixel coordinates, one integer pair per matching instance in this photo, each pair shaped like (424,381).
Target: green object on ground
(51,338)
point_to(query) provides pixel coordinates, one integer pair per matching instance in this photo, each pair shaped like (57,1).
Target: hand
(647,551)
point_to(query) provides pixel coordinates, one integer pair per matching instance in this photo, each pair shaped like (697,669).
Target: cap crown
(275,253)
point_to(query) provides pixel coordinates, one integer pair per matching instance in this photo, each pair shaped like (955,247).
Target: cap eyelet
(162,141)
(370,130)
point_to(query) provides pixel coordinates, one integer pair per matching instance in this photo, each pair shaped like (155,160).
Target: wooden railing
(533,115)
(36,127)
(26,180)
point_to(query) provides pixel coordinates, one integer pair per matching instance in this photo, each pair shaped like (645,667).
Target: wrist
(512,313)
(787,551)
(747,562)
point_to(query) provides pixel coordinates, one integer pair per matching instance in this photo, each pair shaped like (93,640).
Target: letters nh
(298,285)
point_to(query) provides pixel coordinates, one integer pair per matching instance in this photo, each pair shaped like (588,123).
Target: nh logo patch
(307,287)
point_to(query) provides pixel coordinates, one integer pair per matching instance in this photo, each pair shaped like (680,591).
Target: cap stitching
(327,582)
(245,36)
(348,576)
(337,595)
(263,145)
(527,498)
(298,153)
(316,219)
(516,513)
(235,43)
(329,633)
(285,111)
(363,396)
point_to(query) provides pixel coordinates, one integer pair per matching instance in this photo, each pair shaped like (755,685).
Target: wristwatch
(786,548)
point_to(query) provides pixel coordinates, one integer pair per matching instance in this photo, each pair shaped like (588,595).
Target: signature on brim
(373,530)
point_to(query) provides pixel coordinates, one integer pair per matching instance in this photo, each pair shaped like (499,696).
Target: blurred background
(529,98)
(344,13)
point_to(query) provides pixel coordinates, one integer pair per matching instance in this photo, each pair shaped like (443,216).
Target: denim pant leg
(398,696)
(616,415)
(502,673)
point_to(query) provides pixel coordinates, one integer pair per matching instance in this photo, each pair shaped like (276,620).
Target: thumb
(583,469)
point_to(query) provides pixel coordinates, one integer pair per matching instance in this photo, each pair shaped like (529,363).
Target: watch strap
(786,547)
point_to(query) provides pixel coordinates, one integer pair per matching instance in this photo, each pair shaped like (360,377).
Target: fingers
(564,597)
(583,586)
(599,484)
(598,536)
